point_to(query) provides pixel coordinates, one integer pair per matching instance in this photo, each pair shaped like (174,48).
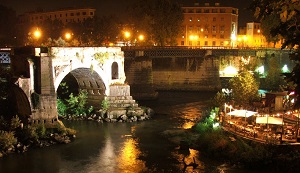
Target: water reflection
(128,160)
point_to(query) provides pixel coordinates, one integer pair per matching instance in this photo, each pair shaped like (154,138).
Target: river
(123,147)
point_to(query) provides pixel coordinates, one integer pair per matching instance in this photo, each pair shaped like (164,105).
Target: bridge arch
(108,63)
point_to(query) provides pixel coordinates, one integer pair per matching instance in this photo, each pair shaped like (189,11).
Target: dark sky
(113,7)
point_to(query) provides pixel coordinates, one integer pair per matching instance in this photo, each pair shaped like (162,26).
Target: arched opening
(82,80)
(114,70)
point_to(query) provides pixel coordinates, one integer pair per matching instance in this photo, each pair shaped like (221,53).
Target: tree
(244,88)
(159,18)
(287,12)
(274,80)
(266,26)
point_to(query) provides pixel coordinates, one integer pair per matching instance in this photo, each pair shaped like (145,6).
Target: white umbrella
(269,120)
(242,113)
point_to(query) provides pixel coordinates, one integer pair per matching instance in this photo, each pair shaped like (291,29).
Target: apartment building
(65,16)
(209,25)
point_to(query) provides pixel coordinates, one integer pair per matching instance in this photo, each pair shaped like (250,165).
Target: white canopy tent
(242,113)
(269,120)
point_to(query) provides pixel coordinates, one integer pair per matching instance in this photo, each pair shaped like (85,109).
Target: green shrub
(104,105)
(15,122)
(61,107)
(7,139)
(41,131)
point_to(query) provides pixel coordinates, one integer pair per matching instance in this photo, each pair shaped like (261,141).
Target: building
(209,25)
(251,36)
(65,16)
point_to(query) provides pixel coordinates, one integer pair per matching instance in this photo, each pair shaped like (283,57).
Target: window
(214,28)
(190,19)
(182,43)
(221,36)
(214,43)
(215,10)
(205,36)
(198,43)
(191,11)
(114,70)
(214,36)
(190,43)
(206,43)
(198,29)
(222,11)
(222,28)
(72,14)
(78,14)
(214,19)
(198,11)
(91,13)
(190,28)
(206,10)
(84,13)
(66,14)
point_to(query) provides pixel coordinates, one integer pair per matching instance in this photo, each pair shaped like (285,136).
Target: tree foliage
(274,81)
(244,88)
(287,12)
(160,18)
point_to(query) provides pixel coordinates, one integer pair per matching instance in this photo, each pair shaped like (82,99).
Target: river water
(123,147)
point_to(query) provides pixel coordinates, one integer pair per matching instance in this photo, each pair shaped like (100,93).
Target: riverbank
(17,138)
(220,145)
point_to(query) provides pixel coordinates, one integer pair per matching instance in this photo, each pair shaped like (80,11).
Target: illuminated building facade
(65,16)
(209,26)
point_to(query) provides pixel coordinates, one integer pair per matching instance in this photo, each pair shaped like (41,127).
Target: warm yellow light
(245,38)
(141,37)
(68,36)
(258,31)
(127,34)
(37,33)
(193,37)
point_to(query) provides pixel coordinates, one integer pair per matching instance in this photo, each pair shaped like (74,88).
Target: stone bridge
(101,72)
(97,70)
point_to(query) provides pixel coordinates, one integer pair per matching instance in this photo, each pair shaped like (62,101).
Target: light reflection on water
(128,159)
(120,147)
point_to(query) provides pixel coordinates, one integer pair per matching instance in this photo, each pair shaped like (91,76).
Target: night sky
(113,7)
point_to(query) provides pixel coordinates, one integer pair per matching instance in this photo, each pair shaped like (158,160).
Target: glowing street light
(141,37)
(68,36)
(37,33)
(127,34)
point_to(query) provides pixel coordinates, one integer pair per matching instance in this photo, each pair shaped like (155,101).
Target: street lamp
(127,36)
(141,37)
(37,33)
(68,36)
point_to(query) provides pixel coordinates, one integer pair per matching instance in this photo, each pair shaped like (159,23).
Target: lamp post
(37,34)
(127,35)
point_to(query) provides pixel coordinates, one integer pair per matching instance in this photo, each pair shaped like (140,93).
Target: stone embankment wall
(145,75)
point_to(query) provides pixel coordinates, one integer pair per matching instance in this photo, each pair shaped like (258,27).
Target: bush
(7,140)
(104,105)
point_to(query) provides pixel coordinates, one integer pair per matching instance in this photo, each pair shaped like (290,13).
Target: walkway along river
(123,147)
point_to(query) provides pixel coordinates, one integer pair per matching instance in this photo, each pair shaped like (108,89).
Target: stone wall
(186,73)
(139,76)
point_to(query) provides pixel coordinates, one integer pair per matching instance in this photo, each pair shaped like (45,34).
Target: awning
(242,113)
(269,120)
